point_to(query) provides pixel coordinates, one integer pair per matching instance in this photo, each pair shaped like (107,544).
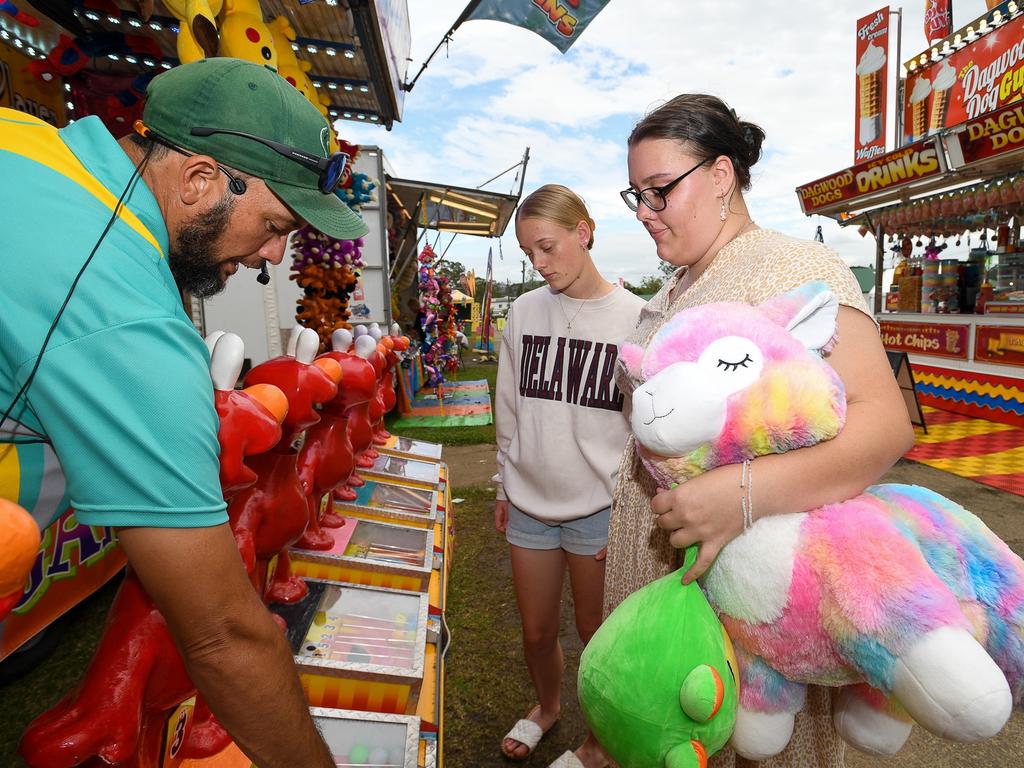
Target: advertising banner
(988,136)
(872,76)
(999,344)
(935,339)
(560,23)
(938,19)
(889,171)
(21,91)
(983,76)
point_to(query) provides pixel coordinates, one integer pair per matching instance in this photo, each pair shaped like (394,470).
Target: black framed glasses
(654,197)
(330,168)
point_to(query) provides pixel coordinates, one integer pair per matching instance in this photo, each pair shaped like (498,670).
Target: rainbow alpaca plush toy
(899,597)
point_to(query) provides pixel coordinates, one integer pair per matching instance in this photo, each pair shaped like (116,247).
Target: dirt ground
(1002,512)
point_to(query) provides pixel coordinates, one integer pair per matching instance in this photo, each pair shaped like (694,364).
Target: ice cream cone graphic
(869,93)
(919,108)
(942,86)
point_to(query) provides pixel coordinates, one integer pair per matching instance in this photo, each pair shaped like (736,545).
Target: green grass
(41,688)
(487,687)
(482,434)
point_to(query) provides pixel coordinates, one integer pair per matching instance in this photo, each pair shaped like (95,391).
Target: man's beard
(192,260)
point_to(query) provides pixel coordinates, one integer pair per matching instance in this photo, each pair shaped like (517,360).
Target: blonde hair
(559,205)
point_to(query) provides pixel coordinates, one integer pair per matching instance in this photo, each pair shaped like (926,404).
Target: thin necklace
(568,322)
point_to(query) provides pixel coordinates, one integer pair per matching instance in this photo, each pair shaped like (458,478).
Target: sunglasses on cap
(330,169)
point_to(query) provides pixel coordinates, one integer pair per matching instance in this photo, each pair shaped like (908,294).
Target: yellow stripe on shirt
(32,138)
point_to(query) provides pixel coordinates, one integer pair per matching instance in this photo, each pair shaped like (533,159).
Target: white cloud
(787,65)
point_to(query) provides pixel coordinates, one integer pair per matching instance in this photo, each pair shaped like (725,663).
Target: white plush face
(684,405)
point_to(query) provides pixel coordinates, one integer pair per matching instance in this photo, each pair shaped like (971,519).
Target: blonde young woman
(560,432)
(689,162)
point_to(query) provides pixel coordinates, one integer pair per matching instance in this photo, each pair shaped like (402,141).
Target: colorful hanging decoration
(440,324)
(326,270)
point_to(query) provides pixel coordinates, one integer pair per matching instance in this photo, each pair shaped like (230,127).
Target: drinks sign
(872,49)
(984,76)
(889,171)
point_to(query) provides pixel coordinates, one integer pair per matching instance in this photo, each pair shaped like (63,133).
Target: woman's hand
(501,515)
(706,511)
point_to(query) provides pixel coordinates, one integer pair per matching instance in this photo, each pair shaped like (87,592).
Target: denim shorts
(583,536)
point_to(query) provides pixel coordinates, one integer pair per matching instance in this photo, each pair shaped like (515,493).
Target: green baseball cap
(236,95)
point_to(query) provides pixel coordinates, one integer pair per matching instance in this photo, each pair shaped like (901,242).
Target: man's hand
(236,655)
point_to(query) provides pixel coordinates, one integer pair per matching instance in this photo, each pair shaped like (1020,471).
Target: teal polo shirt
(119,421)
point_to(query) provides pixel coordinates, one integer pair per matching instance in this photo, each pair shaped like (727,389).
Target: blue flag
(560,22)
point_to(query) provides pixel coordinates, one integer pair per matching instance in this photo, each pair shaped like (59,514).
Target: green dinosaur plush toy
(657,681)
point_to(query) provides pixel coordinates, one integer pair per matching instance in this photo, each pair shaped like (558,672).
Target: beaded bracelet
(747,498)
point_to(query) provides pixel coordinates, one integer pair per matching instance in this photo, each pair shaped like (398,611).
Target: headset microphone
(264,276)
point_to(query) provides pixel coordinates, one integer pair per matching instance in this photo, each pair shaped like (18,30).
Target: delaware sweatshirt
(560,425)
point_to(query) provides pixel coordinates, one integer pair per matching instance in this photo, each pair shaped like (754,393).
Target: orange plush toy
(19,544)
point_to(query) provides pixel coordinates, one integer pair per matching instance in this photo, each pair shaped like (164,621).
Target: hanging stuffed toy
(899,596)
(244,34)
(327,270)
(197,28)
(293,69)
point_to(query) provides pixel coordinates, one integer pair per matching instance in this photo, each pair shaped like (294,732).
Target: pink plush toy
(899,597)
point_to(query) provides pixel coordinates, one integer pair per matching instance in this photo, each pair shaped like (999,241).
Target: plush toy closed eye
(899,597)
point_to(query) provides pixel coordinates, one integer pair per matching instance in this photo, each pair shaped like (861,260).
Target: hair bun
(753,135)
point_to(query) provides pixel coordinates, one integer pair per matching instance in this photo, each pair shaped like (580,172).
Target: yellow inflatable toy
(244,34)
(197,33)
(293,69)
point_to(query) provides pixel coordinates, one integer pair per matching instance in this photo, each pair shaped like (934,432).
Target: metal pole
(447,36)
(899,78)
(879,264)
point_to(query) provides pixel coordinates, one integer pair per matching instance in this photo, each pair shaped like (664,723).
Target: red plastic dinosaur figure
(398,344)
(117,711)
(272,515)
(360,386)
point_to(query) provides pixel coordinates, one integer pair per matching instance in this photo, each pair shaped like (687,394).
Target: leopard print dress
(752,268)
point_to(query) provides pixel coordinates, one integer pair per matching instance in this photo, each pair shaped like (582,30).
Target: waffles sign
(872,77)
(892,170)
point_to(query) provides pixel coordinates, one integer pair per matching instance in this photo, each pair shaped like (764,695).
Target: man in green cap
(106,402)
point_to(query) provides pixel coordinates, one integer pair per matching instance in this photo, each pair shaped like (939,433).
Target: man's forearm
(249,680)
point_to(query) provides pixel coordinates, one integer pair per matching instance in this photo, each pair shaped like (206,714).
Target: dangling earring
(723,214)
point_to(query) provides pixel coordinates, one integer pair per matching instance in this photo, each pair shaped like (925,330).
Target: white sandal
(567,759)
(526,732)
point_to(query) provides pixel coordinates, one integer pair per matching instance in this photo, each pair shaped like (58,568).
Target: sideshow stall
(955,183)
(369,636)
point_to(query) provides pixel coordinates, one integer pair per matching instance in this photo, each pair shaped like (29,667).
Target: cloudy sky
(785,64)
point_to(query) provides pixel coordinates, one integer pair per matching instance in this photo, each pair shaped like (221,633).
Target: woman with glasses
(689,163)
(560,434)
